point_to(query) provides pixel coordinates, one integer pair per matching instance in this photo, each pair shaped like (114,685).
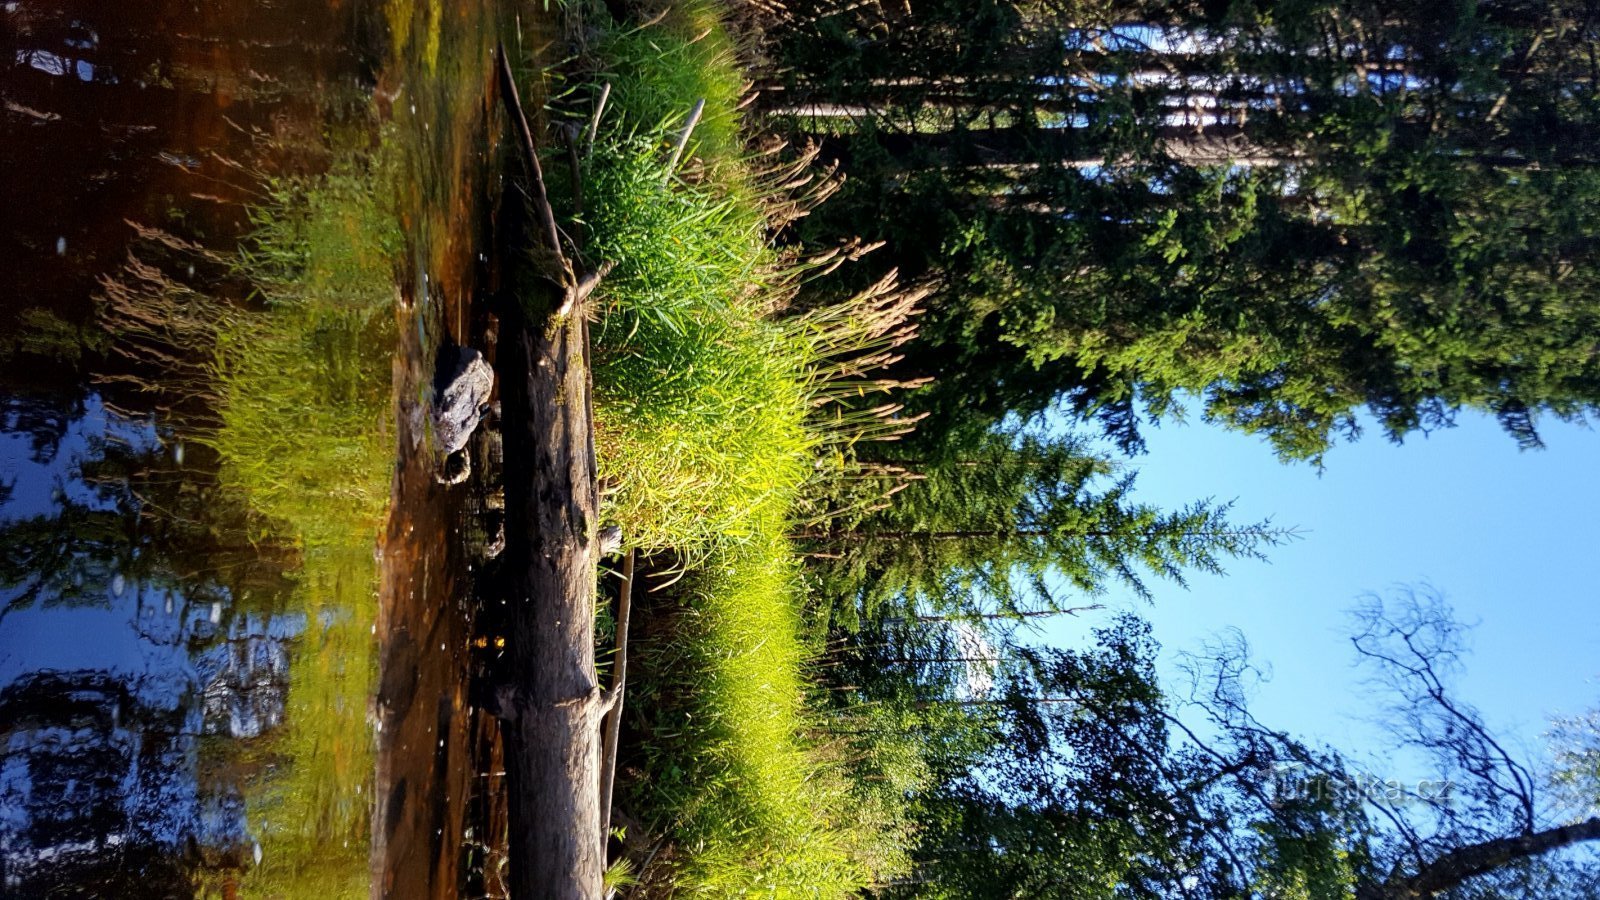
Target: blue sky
(1511,538)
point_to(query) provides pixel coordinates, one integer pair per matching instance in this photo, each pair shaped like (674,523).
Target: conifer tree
(1292,211)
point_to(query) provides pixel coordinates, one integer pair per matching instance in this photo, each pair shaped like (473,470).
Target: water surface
(234,601)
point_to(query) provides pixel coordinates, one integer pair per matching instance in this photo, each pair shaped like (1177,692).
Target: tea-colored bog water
(232,625)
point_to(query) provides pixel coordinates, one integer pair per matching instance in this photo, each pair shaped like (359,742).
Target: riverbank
(715,435)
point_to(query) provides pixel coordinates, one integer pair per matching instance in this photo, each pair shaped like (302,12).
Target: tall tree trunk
(868,536)
(1019,148)
(1029,146)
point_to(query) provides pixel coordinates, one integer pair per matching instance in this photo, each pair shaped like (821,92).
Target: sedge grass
(706,423)
(701,402)
(714,416)
(709,404)
(755,809)
(661,70)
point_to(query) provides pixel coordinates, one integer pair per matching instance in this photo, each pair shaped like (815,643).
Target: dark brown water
(235,614)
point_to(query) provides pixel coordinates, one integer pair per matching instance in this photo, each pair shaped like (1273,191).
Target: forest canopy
(1295,211)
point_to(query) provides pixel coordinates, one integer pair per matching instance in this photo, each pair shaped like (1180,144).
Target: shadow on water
(235,606)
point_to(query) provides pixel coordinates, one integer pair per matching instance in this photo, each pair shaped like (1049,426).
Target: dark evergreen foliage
(1296,211)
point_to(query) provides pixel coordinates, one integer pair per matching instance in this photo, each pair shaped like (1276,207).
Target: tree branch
(1462,863)
(530,154)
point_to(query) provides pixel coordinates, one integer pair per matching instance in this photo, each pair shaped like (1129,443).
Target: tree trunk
(1462,863)
(1021,148)
(552,707)
(1027,146)
(860,537)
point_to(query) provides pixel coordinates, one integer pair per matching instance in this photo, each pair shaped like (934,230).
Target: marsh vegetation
(895,294)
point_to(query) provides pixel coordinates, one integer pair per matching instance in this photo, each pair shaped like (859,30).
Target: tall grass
(712,404)
(755,806)
(660,71)
(701,402)
(717,412)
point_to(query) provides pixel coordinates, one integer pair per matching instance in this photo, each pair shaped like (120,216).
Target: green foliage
(1071,801)
(756,807)
(1576,741)
(681,249)
(1408,242)
(999,526)
(1089,786)
(619,875)
(657,74)
(707,429)
(701,400)
(714,406)
(1305,864)
(305,383)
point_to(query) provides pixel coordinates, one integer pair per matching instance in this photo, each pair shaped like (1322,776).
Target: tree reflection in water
(197,444)
(132,626)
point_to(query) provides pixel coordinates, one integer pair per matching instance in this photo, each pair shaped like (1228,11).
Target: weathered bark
(552,706)
(865,536)
(612,735)
(551,710)
(1462,863)
(1022,148)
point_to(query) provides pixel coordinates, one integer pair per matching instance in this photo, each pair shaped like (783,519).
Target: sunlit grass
(755,807)
(701,401)
(713,418)
(659,72)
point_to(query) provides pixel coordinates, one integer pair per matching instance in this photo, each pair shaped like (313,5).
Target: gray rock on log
(461,391)
(610,539)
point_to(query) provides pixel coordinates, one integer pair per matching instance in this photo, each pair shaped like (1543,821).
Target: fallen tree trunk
(551,709)
(552,705)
